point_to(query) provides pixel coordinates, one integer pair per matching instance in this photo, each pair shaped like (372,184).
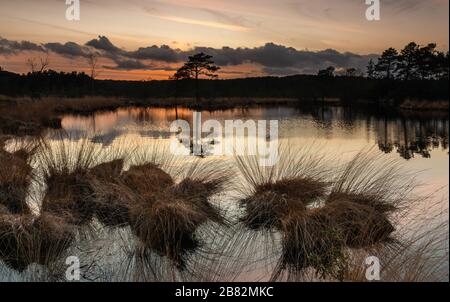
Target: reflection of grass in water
(303,221)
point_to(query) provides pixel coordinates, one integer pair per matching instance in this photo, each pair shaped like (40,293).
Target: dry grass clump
(116,191)
(321,220)
(372,180)
(295,182)
(169,199)
(69,195)
(16,175)
(66,173)
(25,239)
(310,241)
(360,226)
(15,233)
(52,236)
(272,202)
(111,199)
(167,226)
(147,178)
(165,215)
(197,194)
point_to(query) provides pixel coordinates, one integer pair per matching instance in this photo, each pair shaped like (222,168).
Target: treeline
(44,83)
(303,87)
(411,63)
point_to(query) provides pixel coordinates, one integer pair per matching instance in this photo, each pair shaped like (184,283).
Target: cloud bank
(273,59)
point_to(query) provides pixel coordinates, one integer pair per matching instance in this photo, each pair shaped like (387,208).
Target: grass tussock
(322,217)
(111,199)
(25,239)
(273,193)
(163,201)
(167,228)
(66,168)
(272,202)
(309,241)
(176,209)
(16,175)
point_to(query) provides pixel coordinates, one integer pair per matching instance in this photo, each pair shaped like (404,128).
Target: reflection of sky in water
(422,140)
(407,136)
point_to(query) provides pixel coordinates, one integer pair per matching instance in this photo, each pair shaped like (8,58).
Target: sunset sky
(143,39)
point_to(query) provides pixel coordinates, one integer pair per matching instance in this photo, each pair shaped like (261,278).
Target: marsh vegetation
(145,215)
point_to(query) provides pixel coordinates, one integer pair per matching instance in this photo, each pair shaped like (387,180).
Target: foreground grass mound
(274,201)
(16,175)
(25,239)
(322,213)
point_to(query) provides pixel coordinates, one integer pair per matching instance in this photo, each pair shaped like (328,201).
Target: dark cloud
(128,65)
(163,53)
(70,49)
(281,60)
(103,43)
(274,59)
(11,47)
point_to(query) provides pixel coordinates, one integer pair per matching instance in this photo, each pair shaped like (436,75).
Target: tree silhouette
(414,62)
(408,62)
(352,72)
(427,62)
(92,60)
(41,66)
(371,69)
(387,63)
(329,72)
(197,66)
(442,70)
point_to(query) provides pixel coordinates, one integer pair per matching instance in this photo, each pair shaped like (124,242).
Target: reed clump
(66,168)
(110,197)
(68,195)
(147,178)
(273,201)
(310,241)
(321,217)
(16,175)
(197,193)
(270,194)
(165,215)
(167,226)
(25,239)
(360,226)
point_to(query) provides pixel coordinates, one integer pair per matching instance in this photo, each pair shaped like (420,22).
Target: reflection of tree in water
(412,137)
(394,132)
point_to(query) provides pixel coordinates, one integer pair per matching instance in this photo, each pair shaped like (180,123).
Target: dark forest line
(301,87)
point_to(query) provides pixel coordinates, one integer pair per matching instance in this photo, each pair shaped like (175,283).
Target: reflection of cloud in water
(155,134)
(106,139)
(71,134)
